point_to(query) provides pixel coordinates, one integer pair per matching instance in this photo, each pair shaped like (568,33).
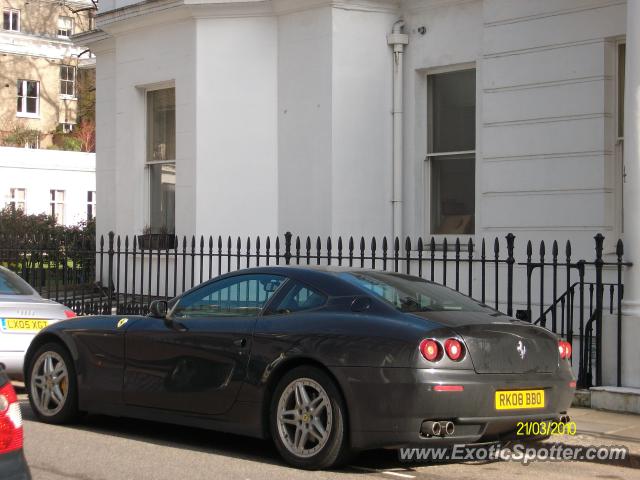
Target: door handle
(241,342)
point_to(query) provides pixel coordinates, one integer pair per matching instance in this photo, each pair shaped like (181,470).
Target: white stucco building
(471,118)
(53,182)
(283,116)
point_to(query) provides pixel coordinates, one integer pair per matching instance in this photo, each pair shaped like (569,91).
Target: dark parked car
(13,466)
(323,360)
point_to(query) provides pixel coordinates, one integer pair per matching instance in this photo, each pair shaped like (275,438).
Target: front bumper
(387,406)
(13,363)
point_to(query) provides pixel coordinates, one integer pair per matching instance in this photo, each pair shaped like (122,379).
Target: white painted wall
(361,80)
(39,171)
(305,121)
(236,128)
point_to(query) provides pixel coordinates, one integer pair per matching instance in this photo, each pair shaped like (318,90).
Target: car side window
(299,298)
(239,296)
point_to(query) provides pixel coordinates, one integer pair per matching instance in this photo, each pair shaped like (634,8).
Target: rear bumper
(13,466)
(13,363)
(387,406)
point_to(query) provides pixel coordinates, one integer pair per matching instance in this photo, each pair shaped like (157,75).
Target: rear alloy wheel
(52,385)
(308,419)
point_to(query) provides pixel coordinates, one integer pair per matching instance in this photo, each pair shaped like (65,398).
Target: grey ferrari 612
(324,361)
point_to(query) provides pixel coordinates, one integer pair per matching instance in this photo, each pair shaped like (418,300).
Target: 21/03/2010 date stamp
(545,428)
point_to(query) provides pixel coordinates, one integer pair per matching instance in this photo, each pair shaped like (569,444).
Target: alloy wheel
(304,417)
(49,383)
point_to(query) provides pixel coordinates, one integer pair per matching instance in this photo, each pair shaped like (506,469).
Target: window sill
(28,115)
(451,242)
(68,97)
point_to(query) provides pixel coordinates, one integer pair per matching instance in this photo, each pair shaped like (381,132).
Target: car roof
(323,277)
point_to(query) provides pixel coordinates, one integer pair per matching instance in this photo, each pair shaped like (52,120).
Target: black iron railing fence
(123,274)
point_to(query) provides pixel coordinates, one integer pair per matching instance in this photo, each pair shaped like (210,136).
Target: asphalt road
(103,448)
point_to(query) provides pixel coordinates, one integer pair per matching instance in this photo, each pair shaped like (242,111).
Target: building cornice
(91,36)
(37,46)
(420,6)
(181,9)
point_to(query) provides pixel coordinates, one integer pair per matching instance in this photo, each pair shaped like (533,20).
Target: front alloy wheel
(52,384)
(308,419)
(49,383)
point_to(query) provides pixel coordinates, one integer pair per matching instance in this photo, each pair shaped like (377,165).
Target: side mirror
(158,309)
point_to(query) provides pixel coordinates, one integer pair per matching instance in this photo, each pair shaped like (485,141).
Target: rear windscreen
(413,294)
(11,284)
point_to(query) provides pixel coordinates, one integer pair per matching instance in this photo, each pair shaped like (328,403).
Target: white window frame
(148,163)
(55,202)
(70,29)
(71,96)
(67,127)
(91,204)
(11,12)
(13,200)
(427,165)
(23,98)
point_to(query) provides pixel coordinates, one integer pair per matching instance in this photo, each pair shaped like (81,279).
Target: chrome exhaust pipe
(449,428)
(432,429)
(565,419)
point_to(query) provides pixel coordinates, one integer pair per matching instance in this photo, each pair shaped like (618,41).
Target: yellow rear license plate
(22,325)
(519,399)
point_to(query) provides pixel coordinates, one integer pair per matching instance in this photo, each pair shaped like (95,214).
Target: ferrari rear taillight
(454,349)
(10,420)
(564,348)
(70,314)
(430,349)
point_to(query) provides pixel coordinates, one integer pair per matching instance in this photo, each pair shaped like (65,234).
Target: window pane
(298,299)
(20,85)
(452,111)
(453,194)
(6,20)
(161,125)
(32,105)
(240,296)
(15,24)
(163,197)
(32,89)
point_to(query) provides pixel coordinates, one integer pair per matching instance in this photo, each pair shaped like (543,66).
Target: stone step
(615,399)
